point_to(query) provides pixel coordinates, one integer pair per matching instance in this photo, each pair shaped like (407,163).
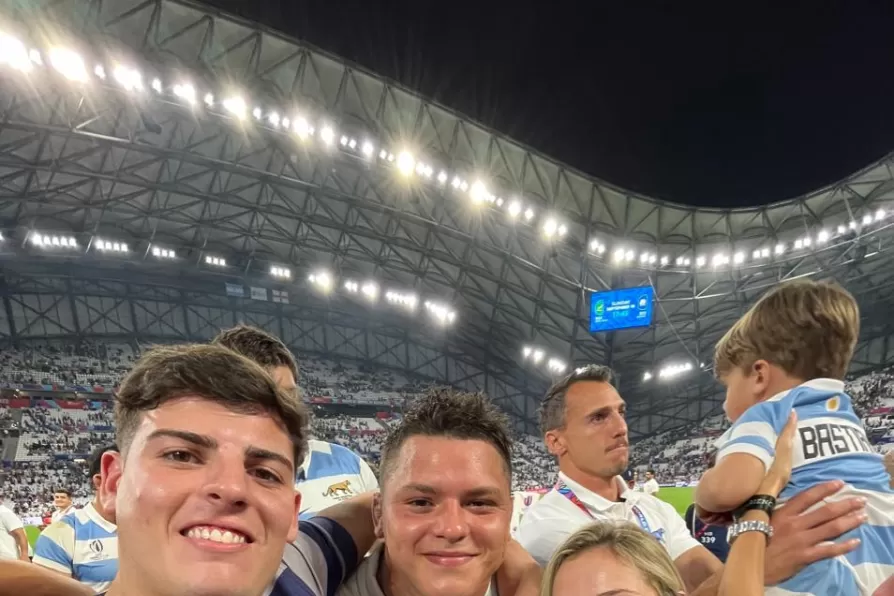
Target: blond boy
(789,353)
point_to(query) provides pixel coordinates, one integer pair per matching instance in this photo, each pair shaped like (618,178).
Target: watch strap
(765,503)
(739,528)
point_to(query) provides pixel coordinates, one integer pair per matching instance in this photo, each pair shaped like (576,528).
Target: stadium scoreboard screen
(621,309)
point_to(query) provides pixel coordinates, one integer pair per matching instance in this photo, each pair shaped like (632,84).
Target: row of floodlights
(72,66)
(622,256)
(670,371)
(537,356)
(326,283)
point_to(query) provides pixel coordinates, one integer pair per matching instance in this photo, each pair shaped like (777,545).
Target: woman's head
(611,557)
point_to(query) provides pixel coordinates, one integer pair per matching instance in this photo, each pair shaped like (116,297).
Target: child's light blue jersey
(830,444)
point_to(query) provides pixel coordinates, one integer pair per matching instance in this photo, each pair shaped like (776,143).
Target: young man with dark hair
(62,503)
(584,426)
(330,473)
(445,506)
(84,543)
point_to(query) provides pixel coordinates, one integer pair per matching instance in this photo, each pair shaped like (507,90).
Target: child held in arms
(788,355)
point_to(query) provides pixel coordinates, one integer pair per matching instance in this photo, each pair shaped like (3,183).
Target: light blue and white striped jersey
(330,474)
(81,544)
(831,444)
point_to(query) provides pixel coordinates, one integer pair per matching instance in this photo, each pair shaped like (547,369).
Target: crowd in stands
(54,441)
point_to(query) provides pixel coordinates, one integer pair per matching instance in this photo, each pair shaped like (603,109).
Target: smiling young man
(584,426)
(444,511)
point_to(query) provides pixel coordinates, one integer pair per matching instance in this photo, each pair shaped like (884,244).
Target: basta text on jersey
(828,439)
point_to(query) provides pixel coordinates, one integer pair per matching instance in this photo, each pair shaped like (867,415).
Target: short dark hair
(95,461)
(258,345)
(60,489)
(552,408)
(452,414)
(213,372)
(651,471)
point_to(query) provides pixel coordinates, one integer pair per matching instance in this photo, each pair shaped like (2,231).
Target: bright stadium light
(156,85)
(822,236)
(69,64)
(100,72)
(780,248)
(514,209)
(209,100)
(14,54)
(163,253)
(700,261)
(647,376)
(441,313)
(867,219)
(739,258)
(880,215)
(186,92)
(370,290)
(322,280)
(756,254)
(215,261)
(529,214)
(52,241)
(674,370)
(274,119)
(301,127)
(442,177)
(110,246)
(327,135)
(406,300)
(352,287)
(367,148)
(236,106)
(719,260)
(129,78)
(555,365)
(478,192)
(852,225)
(550,227)
(536,356)
(405,163)
(526,352)
(665,260)
(281,272)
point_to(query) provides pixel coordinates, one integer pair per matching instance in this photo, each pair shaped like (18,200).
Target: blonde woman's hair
(807,328)
(630,544)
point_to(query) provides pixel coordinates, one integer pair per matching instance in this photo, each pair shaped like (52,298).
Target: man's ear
(293,528)
(111,467)
(555,442)
(378,525)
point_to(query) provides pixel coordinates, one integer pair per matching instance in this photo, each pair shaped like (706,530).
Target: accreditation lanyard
(564,490)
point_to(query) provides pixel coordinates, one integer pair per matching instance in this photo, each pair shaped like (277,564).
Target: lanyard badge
(564,490)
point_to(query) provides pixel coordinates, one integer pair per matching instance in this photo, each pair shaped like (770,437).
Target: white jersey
(60,513)
(555,517)
(365,583)
(9,522)
(650,487)
(330,474)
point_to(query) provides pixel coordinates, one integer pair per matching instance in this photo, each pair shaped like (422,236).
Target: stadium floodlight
(383,154)
(129,78)
(215,261)
(665,260)
(457,181)
(841,229)
(406,300)
(186,92)
(327,135)
(301,127)
(799,244)
(822,236)
(550,227)
(555,365)
(100,72)
(14,54)
(156,85)
(236,106)
(629,255)
(536,356)
(367,148)
(274,119)
(344,140)
(257,113)
(352,286)
(281,272)
(780,248)
(807,242)
(35,57)
(442,177)
(765,253)
(644,258)
(596,246)
(719,260)
(442,314)
(674,370)
(322,280)
(48,241)
(739,258)
(286,123)
(209,100)
(163,253)
(852,225)
(478,192)
(756,254)
(880,215)
(526,352)
(69,64)
(390,158)
(867,219)
(499,202)
(529,214)
(514,209)
(700,261)
(352,144)
(647,376)
(618,255)
(110,246)
(370,290)
(405,163)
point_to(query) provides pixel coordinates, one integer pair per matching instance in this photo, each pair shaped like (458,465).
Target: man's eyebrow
(260,453)
(184,435)
(475,493)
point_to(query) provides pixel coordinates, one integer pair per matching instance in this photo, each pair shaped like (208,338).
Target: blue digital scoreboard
(621,309)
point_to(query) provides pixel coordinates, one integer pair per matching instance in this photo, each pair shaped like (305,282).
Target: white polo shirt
(9,522)
(552,519)
(651,487)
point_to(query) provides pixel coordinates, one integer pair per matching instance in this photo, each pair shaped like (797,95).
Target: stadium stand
(45,443)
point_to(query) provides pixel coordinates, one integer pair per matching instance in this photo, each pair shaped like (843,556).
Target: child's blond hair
(807,328)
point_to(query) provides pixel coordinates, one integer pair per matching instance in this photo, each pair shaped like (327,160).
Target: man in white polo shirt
(650,486)
(13,541)
(583,422)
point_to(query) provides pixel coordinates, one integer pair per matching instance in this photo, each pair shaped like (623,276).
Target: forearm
(355,516)
(744,571)
(519,575)
(22,542)
(17,577)
(721,489)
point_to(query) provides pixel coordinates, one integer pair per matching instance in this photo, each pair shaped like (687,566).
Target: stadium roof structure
(157,158)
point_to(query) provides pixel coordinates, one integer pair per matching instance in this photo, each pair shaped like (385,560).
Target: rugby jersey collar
(831,385)
(91,512)
(598,502)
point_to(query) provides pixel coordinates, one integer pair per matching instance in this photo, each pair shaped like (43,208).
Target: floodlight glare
(273,119)
(156,85)
(442,177)
(405,163)
(14,54)
(186,92)
(327,135)
(823,236)
(367,149)
(100,72)
(236,106)
(129,78)
(370,290)
(69,64)
(301,127)
(478,193)
(514,209)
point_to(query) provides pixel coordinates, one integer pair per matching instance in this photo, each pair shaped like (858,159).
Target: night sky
(713,104)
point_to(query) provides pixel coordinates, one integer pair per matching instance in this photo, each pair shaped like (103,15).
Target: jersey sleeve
(542,537)
(756,431)
(54,547)
(677,536)
(368,477)
(320,559)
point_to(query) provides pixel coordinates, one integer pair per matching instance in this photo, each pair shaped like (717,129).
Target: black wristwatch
(765,503)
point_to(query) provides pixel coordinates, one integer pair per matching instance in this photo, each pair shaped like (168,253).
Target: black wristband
(765,503)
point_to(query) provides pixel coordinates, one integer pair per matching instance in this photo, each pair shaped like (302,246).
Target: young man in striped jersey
(83,544)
